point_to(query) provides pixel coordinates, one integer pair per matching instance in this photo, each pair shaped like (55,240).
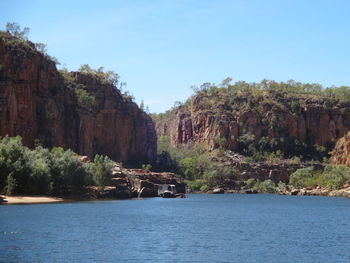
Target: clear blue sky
(161,48)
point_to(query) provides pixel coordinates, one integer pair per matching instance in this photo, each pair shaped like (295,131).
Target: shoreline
(10,200)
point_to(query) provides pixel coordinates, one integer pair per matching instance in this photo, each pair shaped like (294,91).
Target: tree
(142,105)
(103,170)
(15,30)
(41,48)
(226,82)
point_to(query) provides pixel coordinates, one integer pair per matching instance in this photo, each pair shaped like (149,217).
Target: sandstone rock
(148,192)
(84,159)
(197,124)
(294,192)
(218,191)
(341,151)
(35,103)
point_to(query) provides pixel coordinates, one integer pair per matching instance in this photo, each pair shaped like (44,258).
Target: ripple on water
(201,228)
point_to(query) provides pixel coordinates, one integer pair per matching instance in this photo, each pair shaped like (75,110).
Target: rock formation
(36,104)
(341,152)
(316,121)
(130,183)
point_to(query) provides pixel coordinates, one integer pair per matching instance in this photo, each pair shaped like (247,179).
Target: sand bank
(29,199)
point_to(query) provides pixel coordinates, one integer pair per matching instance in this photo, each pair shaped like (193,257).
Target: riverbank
(29,199)
(318,191)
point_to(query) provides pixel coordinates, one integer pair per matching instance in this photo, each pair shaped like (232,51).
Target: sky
(160,48)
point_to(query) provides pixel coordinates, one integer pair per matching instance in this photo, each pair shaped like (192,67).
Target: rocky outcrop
(36,104)
(314,122)
(131,183)
(341,152)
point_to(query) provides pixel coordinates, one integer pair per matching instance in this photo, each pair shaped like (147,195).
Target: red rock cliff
(341,152)
(271,117)
(35,103)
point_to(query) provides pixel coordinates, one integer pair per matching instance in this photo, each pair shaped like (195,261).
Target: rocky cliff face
(35,103)
(270,116)
(341,152)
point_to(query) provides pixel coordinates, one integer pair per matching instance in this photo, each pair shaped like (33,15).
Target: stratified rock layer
(341,152)
(36,104)
(312,123)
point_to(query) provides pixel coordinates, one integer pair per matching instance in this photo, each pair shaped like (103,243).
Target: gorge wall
(36,104)
(308,119)
(341,152)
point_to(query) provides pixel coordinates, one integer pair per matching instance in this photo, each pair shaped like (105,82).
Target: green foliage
(220,142)
(40,171)
(15,30)
(106,77)
(68,174)
(41,48)
(103,170)
(250,183)
(333,177)
(281,186)
(336,176)
(146,167)
(85,100)
(267,186)
(11,185)
(196,185)
(301,177)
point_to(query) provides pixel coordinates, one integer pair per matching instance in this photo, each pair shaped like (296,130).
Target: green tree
(15,30)
(103,170)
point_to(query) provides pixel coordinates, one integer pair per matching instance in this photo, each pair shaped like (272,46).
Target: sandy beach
(29,199)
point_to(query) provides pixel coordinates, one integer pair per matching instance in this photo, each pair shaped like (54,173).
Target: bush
(336,176)
(281,186)
(69,176)
(103,170)
(14,162)
(250,182)
(146,167)
(300,177)
(85,100)
(11,185)
(267,186)
(196,184)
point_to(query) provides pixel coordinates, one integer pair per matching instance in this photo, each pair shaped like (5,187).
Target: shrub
(11,185)
(103,170)
(281,186)
(204,188)
(85,100)
(250,182)
(196,184)
(146,167)
(14,161)
(267,186)
(68,174)
(336,176)
(300,176)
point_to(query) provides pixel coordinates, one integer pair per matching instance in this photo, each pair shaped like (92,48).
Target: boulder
(84,159)
(294,192)
(218,191)
(148,192)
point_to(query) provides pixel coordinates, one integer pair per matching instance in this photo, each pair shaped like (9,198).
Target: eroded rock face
(312,124)
(341,152)
(37,105)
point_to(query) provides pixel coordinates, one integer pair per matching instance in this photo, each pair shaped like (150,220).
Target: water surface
(201,228)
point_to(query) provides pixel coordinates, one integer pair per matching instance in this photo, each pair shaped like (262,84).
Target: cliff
(37,104)
(341,152)
(292,122)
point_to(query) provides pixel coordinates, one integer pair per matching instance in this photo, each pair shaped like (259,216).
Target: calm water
(201,228)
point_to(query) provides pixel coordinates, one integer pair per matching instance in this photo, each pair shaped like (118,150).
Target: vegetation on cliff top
(16,38)
(42,171)
(267,98)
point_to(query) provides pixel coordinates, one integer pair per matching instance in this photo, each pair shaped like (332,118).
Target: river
(200,228)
